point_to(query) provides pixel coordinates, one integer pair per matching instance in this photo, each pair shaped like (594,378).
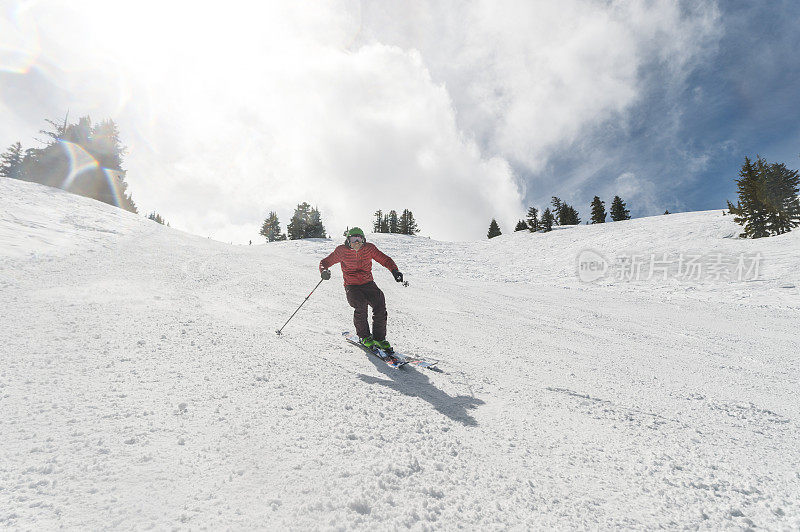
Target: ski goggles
(355,238)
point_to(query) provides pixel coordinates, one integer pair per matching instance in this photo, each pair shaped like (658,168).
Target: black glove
(326,274)
(398,276)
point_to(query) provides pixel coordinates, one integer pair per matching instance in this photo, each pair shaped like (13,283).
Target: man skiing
(356,256)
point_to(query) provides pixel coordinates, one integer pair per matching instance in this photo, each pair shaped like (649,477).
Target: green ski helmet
(355,231)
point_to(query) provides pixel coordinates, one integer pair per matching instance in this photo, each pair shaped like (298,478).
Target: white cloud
(350,133)
(639,192)
(529,77)
(353,107)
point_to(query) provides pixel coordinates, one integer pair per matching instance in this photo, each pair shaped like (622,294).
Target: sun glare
(79,161)
(19,40)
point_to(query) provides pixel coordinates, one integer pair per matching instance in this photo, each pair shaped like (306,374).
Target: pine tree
(547,220)
(376,225)
(30,160)
(568,215)
(81,159)
(494,229)
(58,132)
(394,224)
(53,164)
(533,219)
(557,208)
(80,133)
(411,227)
(299,223)
(751,212)
(271,228)
(406,225)
(385,224)
(315,229)
(106,147)
(69,164)
(564,214)
(618,211)
(11,162)
(768,199)
(521,226)
(598,211)
(780,187)
(156,218)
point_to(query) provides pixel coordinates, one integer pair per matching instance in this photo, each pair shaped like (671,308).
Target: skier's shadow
(413,382)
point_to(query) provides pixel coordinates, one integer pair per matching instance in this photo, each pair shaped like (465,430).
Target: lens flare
(114,179)
(81,161)
(19,41)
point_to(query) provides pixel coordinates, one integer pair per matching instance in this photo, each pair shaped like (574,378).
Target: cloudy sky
(458,110)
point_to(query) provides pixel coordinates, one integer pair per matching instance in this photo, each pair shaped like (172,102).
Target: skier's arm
(330,260)
(384,260)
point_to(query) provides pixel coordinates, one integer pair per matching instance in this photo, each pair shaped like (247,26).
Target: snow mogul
(356,256)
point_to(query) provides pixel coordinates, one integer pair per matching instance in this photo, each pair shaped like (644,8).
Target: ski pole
(298,308)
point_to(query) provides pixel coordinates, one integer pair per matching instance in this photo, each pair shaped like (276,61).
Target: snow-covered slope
(142,383)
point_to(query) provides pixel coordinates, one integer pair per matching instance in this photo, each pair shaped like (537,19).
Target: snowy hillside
(142,383)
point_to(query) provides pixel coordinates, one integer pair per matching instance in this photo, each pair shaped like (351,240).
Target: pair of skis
(393,359)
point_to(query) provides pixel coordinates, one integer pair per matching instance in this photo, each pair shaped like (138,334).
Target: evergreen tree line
(306,222)
(157,218)
(405,224)
(82,158)
(564,214)
(768,201)
(618,210)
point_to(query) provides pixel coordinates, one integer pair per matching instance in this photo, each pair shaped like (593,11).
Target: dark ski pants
(361,295)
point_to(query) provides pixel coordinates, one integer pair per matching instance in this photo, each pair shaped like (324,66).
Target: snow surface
(142,383)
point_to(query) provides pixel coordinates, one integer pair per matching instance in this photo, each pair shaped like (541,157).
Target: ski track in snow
(142,383)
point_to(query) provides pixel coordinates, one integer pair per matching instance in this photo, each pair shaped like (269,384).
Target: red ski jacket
(357,265)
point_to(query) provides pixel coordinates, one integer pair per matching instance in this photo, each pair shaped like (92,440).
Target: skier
(356,256)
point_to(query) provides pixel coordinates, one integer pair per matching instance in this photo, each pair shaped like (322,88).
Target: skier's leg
(357,300)
(378,303)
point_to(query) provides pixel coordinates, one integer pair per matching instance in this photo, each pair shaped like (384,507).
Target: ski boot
(384,345)
(369,342)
